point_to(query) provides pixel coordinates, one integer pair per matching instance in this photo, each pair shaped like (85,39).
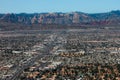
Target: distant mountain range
(77,18)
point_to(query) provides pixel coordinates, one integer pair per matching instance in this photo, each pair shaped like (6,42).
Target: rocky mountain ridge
(112,17)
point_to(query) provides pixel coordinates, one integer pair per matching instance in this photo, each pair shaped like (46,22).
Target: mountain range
(73,18)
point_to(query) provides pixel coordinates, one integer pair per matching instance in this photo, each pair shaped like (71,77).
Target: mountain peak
(116,11)
(63,18)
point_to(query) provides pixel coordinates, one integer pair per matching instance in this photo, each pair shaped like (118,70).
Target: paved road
(31,61)
(26,65)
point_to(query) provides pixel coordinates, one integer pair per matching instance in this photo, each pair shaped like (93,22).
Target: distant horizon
(65,6)
(56,12)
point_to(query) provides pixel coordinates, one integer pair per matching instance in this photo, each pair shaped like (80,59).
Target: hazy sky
(38,6)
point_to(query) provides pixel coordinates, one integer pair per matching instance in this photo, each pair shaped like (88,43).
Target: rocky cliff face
(112,17)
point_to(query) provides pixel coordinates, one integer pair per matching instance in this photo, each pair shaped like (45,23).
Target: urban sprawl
(73,54)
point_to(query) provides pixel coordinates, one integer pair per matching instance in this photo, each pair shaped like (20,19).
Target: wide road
(29,63)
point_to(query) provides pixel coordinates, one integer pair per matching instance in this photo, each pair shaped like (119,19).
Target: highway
(30,62)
